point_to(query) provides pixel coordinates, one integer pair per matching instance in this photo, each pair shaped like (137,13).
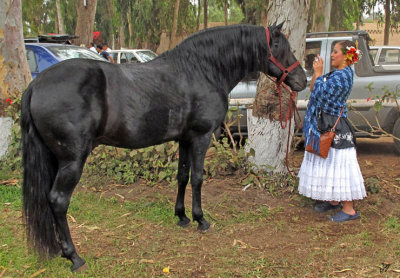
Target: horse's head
(282,63)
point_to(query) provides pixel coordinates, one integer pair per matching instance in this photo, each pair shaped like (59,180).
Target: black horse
(182,95)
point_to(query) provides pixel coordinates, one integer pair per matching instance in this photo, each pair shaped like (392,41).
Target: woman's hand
(318,66)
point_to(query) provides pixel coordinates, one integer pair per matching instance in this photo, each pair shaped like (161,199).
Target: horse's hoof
(204,226)
(184,223)
(79,266)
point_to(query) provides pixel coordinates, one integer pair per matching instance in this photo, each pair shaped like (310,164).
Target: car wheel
(396,133)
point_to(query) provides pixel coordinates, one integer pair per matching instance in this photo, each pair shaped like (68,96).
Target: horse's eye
(276,45)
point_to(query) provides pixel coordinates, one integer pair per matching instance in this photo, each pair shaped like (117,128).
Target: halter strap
(285,71)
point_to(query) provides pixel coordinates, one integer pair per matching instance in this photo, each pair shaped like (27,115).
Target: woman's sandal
(341,216)
(325,206)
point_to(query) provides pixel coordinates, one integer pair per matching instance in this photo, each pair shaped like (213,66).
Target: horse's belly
(151,128)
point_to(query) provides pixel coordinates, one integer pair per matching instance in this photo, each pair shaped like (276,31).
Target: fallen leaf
(144,261)
(37,273)
(368,163)
(126,214)
(72,218)
(92,228)
(120,196)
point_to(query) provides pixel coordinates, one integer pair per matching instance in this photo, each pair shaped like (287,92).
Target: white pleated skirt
(336,178)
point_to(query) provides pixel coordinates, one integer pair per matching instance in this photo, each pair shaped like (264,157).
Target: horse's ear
(279,27)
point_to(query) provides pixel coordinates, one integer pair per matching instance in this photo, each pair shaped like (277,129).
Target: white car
(124,56)
(388,57)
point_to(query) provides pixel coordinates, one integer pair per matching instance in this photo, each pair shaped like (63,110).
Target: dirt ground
(256,234)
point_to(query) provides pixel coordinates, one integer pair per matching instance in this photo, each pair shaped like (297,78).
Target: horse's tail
(40,168)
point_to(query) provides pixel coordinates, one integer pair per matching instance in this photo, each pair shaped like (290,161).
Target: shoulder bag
(326,139)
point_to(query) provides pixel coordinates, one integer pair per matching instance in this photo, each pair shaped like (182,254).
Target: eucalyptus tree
(266,137)
(145,20)
(320,14)
(254,11)
(14,70)
(38,17)
(86,11)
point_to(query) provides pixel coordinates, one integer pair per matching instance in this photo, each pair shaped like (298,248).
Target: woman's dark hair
(346,44)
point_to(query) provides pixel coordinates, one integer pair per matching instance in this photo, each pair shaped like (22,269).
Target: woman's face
(338,58)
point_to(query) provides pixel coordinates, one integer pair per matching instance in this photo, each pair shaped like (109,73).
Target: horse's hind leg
(67,178)
(183,178)
(198,151)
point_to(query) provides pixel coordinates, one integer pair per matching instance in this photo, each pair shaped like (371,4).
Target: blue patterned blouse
(329,95)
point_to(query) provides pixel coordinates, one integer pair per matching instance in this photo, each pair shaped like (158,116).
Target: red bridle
(285,71)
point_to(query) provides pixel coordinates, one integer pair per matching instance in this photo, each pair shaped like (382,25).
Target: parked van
(386,56)
(124,56)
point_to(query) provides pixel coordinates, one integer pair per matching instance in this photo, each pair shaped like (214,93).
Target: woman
(336,180)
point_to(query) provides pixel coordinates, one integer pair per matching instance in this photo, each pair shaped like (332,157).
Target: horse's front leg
(67,178)
(183,179)
(197,154)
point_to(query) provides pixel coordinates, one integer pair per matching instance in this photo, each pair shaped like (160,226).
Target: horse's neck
(223,63)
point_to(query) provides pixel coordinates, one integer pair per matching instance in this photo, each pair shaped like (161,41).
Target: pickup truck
(370,80)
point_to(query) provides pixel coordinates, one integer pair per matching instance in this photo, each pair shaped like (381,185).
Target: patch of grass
(11,197)
(392,224)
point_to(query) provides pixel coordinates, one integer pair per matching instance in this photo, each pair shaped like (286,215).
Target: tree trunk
(226,12)
(60,21)
(130,28)
(14,71)
(205,14)
(321,16)
(387,23)
(198,14)
(266,136)
(110,13)
(85,21)
(172,40)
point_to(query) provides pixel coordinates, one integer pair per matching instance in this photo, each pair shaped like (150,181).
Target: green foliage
(223,159)
(373,185)
(392,224)
(154,164)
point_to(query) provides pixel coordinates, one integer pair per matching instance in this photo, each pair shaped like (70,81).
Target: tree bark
(130,28)
(265,125)
(85,21)
(321,16)
(60,20)
(226,12)
(14,71)
(172,40)
(205,14)
(198,14)
(387,23)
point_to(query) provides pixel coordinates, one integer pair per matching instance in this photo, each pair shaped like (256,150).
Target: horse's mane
(212,52)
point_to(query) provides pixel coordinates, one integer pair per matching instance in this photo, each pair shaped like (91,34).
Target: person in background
(104,54)
(93,47)
(337,180)
(106,48)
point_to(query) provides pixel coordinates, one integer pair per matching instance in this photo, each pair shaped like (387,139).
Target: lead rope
(291,111)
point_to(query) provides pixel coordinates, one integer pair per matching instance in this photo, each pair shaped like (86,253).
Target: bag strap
(337,121)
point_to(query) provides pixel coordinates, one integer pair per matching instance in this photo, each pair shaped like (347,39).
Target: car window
(65,52)
(312,50)
(372,53)
(32,61)
(146,55)
(131,58)
(123,58)
(389,56)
